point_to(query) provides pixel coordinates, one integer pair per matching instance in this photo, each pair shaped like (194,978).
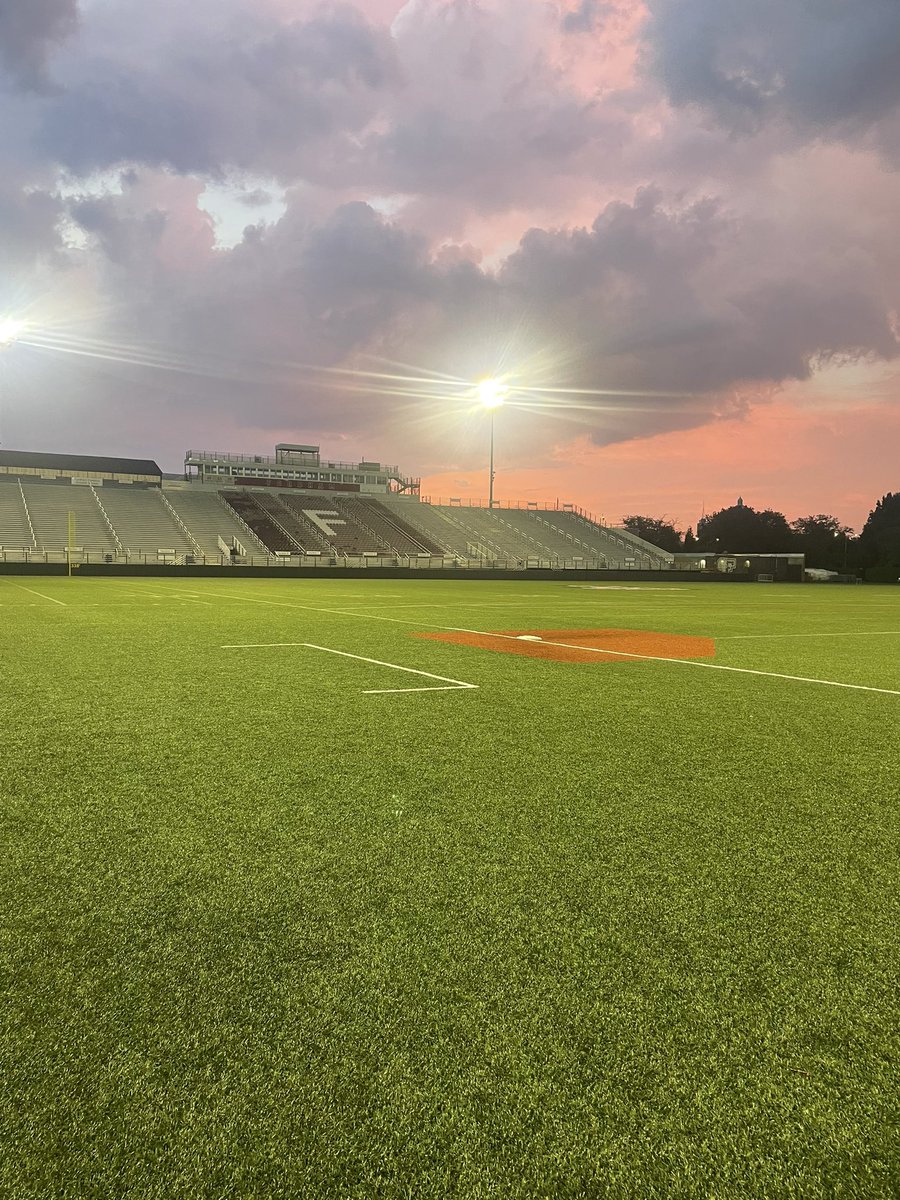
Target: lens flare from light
(492,393)
(10,330)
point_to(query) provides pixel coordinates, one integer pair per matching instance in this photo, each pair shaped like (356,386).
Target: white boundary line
(692,662)
(455,684)
(259,645)
(740,637)
(684,662)
(32,592)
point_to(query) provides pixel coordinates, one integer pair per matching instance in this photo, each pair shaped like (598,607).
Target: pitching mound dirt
(584,645)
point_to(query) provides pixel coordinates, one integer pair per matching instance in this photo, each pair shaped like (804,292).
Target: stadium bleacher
(15,530)
(209,518)
(428,521)
(142,522)
(188,521)
(385,529)
(252,513)
(48,505)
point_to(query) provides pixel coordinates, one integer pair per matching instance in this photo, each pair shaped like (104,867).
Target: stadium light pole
(10,331)
(492,394)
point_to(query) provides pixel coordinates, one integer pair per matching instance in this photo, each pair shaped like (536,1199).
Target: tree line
(827,544)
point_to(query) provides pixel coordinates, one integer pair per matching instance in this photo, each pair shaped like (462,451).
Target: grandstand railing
(423,562)
(267,460)
(524,505)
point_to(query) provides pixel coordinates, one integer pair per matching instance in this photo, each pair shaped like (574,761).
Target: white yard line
(691,662)
(621,587)
(338,612)
(34,593)
(455,687)
(259,645)
(487,604)
(455,684)
(368,615)
(737,637)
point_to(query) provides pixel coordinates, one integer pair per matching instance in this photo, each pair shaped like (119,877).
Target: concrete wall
(161,570)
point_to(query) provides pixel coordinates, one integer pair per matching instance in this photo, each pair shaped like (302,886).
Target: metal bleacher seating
(49,504)
(617,546)
(142,521)
(187,520)
(443,531)
(208,518)
(299,522)
(542,541)
(386,528)
(527,534)
(269,531)
(15,532)
(307,533)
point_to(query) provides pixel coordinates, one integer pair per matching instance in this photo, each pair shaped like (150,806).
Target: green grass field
(617,929)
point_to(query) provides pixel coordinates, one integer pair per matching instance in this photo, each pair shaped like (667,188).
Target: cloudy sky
(671,227)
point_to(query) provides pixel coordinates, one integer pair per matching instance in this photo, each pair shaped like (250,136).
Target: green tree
(879,541)
(741,529)
(825,542)
(655,530)
(690,542)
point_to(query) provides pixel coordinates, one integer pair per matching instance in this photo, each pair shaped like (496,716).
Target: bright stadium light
(492,393)
(10,331)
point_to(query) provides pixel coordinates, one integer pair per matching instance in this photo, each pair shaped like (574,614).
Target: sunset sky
(672,229)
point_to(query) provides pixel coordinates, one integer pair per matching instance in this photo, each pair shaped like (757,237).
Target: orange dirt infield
(581,645)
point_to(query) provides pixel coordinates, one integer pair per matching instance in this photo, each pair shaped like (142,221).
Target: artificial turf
(621,929)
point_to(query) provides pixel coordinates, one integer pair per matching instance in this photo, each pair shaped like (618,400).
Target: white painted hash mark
(453,685)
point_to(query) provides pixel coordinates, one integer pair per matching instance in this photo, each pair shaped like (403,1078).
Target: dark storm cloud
(672,298)
(653,296)
(314,292)
(123,241)
(819,64)
(29,29)
(29,228)
(254,94)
